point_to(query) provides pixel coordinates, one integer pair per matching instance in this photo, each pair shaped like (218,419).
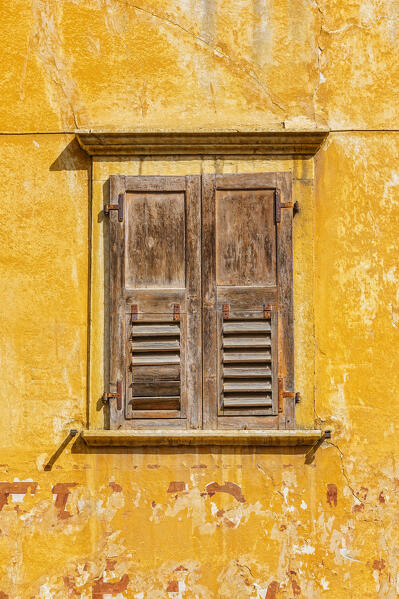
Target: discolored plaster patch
(228,487)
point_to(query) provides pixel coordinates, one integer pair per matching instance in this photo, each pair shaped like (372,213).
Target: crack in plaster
(215,51)
(47,38)
(343,470)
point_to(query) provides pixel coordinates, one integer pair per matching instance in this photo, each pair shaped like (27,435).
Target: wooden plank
(250,342)
(250,299)
(163,419)
(285,290)
(230,357)
(156,389)
(192,339)
(235,421)
(258,326)
(210,316)
(247,401)
(248,385)
(155,345)
(156,403)
(156,359)
(155,240)
(114,302)
(155,330)
(245,238)
(155,183)
(155,304)
(156,373)
(247,181)
(246,372)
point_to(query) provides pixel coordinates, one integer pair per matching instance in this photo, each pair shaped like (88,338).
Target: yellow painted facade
(143,523)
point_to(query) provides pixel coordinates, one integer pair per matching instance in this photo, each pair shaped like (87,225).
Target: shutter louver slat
(247,386)
(155,386)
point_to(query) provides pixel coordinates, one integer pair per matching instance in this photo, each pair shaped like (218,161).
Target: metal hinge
(117,395)
(134,309)
(282,395)
(176,311)
(267,310)
(278,205)
(226,311)
(118,207)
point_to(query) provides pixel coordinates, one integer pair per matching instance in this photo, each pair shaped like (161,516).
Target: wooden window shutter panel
(155,294)
(247,301)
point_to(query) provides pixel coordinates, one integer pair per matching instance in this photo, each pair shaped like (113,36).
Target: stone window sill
(175,438)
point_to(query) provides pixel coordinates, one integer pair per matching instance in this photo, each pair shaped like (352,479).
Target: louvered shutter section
(155,294)
(247,301)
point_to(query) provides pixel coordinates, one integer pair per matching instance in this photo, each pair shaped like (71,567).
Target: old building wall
(228,522)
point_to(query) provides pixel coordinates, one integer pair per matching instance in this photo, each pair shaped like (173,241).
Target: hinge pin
(118,207)
(116,395)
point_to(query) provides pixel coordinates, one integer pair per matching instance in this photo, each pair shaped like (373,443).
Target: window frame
(281,181)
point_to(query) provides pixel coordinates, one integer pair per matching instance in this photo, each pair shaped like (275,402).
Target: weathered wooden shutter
(248,379)
(155,295)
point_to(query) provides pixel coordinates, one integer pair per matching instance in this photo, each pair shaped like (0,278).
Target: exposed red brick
(61,490)
(359,507)
(296,589)
(153,466)
(69,583)
(381,497)
(3,595)
(173,586)
(19,488)
(115,487)
(175,486)
(230,488)
(101,588)
(332,494)
(181,569)
(378,564)
(220,513)
(272,590)
(229,523)
(363,493)
(110,564)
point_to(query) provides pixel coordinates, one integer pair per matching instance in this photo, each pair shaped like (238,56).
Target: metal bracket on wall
(282,395)
(118,207)
(117,395)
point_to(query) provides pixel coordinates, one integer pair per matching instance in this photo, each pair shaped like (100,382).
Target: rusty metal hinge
(282,395)
(278,205)
(176,311)
(117,395)
(134,309)
(267,310)
(118,207)
(226,311)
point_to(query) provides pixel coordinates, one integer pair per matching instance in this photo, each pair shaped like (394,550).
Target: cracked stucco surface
(251,64)
(251,524)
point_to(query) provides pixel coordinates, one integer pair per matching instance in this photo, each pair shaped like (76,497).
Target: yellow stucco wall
(142,524)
